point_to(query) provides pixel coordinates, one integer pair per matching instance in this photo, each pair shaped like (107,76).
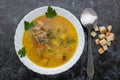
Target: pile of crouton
(105,37)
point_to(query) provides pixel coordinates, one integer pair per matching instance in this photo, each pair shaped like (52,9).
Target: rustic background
(107,66)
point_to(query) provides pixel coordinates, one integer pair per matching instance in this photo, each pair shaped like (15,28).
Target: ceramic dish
(49,71)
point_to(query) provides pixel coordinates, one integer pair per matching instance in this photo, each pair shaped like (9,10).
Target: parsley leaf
(28,25)
(51,13)
(22,52)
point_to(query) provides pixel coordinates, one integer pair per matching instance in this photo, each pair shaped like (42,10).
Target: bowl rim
(50,71)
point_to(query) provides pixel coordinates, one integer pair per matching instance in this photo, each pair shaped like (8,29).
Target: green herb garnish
(62,43)
(67,42)
(50,50)
(70,41)
(28,25)
(58,30)
(22,52)
(51,36)
(51,13)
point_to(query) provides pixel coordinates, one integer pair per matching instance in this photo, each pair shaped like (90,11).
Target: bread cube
(109,28)
(93,33)
(96,28)
(105,47)
(101,50)
(111,37)
(102,29)
(97,41)
(108,43)
(101,36)
(107,33)
(103,42)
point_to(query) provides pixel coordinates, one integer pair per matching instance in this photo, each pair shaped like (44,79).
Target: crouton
(96,28)
(108,43)
(109,28)
(101,36)
(107,33)
(102,29)
(111,37)
(101,50)
(105,37)
(105,47)
(97,41)
(93,34)
(103,42)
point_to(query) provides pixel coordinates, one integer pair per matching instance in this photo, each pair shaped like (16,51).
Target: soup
(51,42)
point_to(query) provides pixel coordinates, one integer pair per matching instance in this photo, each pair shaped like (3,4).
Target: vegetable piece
(64,58)
(101,50)
(59,56)
(28,25)
(63,36)
(41,46)
(55,43)
(51,13)
(22,52)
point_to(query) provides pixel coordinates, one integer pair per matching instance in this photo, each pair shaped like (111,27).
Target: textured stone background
(107,66)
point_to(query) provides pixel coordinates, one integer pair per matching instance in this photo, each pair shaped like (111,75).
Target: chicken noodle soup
(51,42)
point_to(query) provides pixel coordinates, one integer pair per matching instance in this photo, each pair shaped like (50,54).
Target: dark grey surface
(107,66)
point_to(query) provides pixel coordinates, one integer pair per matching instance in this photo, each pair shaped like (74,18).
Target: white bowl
(49,71)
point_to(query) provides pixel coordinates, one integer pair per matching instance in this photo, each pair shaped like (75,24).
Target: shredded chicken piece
(40,33)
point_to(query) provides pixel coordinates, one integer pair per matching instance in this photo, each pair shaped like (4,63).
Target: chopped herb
(22,52)
(61,43)
(65,46)
(58,30)
(70,41)
(51,13)
(28,25)
(51,36)
(50,50)
(67,42)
